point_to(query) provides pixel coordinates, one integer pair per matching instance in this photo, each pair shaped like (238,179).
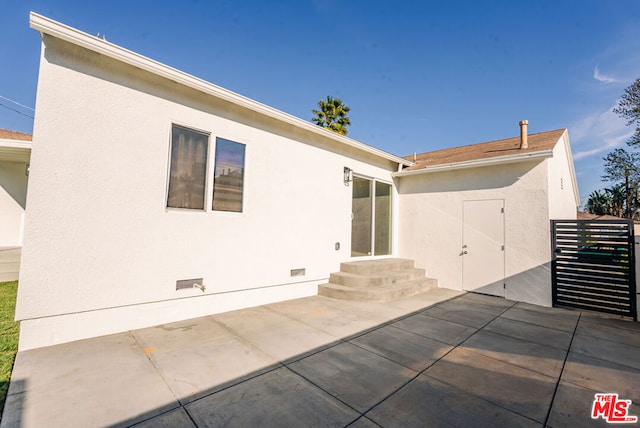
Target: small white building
(155,196)
(478,216)
(15,150)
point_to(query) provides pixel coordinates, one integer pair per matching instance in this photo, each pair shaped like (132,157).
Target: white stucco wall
(102,254)
(13,193)
(562,187)
(431,227)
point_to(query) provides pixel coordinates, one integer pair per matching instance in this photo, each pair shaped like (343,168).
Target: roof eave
(48,26)
(500,160)
(15,150)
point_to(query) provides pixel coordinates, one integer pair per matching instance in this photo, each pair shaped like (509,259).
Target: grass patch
(9,330)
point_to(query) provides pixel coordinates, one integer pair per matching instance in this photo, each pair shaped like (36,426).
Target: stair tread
(400,284)
(378,274)
(376,265)
(382,293)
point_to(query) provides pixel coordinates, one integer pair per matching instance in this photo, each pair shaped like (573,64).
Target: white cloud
(598,133)
(601,77)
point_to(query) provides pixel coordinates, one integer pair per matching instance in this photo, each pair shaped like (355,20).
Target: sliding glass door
(371,218)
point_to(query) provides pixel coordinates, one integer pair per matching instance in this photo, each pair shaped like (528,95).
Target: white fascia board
(500,160)
(15,144)
(69,34)
(15,150)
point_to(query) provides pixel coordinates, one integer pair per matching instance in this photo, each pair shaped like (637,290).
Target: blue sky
(418,76)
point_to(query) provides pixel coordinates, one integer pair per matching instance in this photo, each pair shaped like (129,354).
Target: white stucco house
(15,150)
(155,196)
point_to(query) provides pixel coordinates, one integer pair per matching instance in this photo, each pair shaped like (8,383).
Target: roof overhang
(498,160)
(15,151)
(69,34)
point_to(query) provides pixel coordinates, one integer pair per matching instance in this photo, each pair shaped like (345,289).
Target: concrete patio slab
(572,408)
(602,376)
(403,347)
(559,321)
(209,367)
(77,384)
(531,356)
(251,319)
(355,376)
(364,422)
(278,398)
(522,391)
(611,330)
(462,303)
(627,355)
(459,315)
(324,362)
(422,301)
(177,418)
(334,318)
(277,335)
(484,302)
(181,335)
(427,402)
(290,342)
(530,332)
(434,328)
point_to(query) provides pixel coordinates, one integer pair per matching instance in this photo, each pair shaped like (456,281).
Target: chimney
(523,134)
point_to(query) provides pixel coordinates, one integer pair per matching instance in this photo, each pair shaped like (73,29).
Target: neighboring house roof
(7,134)
(540,145)
(581,215)
(55,29)
(14,146)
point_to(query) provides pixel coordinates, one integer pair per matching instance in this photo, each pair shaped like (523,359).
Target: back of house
(155,196)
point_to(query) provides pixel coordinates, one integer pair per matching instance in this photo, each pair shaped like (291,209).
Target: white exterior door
(483,247)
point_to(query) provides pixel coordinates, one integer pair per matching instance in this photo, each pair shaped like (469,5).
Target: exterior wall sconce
(348,176)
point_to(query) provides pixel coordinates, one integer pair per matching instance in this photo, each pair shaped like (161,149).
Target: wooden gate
(593,265)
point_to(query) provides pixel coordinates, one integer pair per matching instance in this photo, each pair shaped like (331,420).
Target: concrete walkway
(438,359)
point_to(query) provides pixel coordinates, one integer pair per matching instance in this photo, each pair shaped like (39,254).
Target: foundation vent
(183,284)
(298,272)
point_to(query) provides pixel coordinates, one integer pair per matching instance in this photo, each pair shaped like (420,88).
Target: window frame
(169,164)
(213,174)
(209,181)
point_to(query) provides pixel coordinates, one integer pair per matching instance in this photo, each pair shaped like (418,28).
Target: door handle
(464,252)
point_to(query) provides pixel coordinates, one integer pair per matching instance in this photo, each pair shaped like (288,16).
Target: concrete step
(378,294)
(382,278)
(368,267)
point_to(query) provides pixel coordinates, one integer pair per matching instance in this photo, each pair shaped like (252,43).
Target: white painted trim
(15,144)
(394,214)
(500,160)
(15,150)
(55,29)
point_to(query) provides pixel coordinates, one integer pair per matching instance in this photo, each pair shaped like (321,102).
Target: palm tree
(617,198)
(599,203)
(332,115)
